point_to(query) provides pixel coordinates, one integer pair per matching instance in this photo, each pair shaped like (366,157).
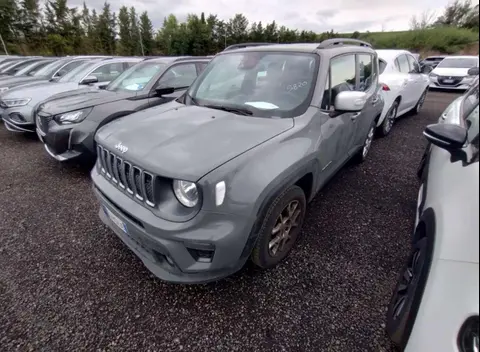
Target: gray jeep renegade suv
(197,186)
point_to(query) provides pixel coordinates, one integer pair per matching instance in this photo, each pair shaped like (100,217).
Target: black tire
(360,157)
(407,295)
(416,110)
(262,255)
(386,127)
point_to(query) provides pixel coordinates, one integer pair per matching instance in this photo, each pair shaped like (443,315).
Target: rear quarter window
(382,65)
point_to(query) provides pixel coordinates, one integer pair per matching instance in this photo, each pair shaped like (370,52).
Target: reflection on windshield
(266,83)
(137,77)
(77,73)
(458,63)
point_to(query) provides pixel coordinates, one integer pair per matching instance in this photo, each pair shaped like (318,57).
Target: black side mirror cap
(473,71)
(446,136)
(164,91)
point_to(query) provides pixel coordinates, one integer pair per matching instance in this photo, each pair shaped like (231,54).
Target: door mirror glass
(447,136)
(89,80)
(473,71)
(350,101)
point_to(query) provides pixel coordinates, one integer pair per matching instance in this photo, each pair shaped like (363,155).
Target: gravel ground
(68,283)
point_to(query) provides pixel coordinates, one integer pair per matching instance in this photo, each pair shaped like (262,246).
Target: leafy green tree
(146,32)
(106,29)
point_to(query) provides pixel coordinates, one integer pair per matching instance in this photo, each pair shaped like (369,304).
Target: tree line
(57,29)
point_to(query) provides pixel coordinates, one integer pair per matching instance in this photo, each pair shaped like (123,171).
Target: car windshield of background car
(266,83)
(50,69)
(79,72)
(137,77)
(458,63)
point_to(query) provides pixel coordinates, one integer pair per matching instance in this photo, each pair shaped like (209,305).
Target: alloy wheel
(368,142)
(421,101)
(392,114)
(285,224)
(407,279)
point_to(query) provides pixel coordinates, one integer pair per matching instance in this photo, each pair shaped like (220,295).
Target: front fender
(254,178)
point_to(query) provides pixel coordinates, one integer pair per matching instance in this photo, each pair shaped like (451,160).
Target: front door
(337,133)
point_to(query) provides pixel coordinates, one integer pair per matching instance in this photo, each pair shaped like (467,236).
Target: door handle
(355,115)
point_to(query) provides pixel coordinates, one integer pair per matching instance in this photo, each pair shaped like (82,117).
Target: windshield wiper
(234,109)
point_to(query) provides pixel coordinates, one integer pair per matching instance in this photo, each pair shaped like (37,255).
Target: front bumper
(18,119)
(456,84)
(66,142)
(207,248)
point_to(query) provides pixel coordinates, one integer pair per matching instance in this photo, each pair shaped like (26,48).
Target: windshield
(264,84)
(458,63)
(31,69)
(137,77)
(79,72)
(49,69)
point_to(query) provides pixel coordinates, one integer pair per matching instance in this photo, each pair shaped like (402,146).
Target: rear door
(179,76)
(418,83)
(407,91)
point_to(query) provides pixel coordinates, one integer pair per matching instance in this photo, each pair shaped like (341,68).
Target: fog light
(16,117)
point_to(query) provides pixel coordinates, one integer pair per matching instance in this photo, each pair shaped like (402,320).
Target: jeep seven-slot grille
(129,178)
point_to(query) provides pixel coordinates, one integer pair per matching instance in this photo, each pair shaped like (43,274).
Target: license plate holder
(115,219)
(448,81)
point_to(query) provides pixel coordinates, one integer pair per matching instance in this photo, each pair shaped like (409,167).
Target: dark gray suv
(66,123)
(197,186)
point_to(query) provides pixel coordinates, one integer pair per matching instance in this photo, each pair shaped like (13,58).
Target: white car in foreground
(404,86)
(452,73)
(435,304)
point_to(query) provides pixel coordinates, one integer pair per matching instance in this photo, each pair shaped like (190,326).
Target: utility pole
(141,41)
(4,46)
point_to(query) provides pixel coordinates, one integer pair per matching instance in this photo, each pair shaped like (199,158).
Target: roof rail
(341,41)
(245,45)
(190,58)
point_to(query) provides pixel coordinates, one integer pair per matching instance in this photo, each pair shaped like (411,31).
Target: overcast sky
(319,16)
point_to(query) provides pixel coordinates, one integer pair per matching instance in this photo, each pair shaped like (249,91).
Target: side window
(178,76)
(342,78)
(366,72)
(127,65)
(382,65)
(402,64)
(108,72)
(201,66)
(413,64)
(68,67)
(472,122)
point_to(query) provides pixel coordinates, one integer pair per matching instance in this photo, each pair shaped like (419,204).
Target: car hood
(39,91)
(80,99)
(13,81)
(454,72)
(187,142)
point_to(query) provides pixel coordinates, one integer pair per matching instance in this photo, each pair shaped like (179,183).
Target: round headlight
(186,192)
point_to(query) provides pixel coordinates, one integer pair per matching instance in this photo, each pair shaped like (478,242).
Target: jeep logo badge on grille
(119,146)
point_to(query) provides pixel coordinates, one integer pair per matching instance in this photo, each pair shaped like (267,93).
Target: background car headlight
(3,89)
(73,116)
(433,75)
(11,103)
(186,192)
(468,337)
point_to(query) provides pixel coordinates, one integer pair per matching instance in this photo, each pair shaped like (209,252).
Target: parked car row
(203,163)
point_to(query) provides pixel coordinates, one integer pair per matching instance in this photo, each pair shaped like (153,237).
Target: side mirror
(89,80)
(60,73)
(350,101)
(164,91)
(473,71)
(447,136)
(426,68)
